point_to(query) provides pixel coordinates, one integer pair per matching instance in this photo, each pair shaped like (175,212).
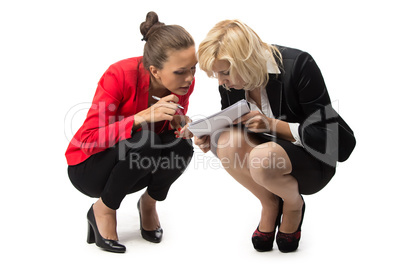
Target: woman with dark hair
(292,138)
(135,132)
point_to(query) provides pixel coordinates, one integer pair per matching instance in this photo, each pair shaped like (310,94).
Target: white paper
(219,120)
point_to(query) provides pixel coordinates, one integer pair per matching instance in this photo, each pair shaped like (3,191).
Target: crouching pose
(292,138)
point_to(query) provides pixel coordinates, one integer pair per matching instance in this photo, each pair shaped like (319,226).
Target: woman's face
(221,69)
(178,71)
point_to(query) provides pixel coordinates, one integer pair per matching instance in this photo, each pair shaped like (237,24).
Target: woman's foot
(149,221)
(288,238)
(105,218)
(292,214)
(149,215)
(269,215)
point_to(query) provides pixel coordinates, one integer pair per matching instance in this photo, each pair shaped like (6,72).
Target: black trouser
(145,160)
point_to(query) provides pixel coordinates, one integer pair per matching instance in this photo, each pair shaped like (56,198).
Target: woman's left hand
(181,132)
(255,121)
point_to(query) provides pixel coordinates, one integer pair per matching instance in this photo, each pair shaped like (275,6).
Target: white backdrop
(54,52)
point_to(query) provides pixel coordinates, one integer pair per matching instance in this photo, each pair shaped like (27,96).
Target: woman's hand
(255,121)
(164,109)
(181,132)
(203,142)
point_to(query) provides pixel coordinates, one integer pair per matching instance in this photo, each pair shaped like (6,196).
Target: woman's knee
(232,144)
(221,149)
(181,154)
(184,147)
(268,161)
(144,142)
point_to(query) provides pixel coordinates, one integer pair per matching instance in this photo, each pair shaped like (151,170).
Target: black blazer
(299,95)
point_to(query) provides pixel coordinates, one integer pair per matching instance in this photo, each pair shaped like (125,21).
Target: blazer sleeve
(323,133)
(101,129)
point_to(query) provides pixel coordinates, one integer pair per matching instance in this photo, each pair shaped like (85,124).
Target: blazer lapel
(274,92)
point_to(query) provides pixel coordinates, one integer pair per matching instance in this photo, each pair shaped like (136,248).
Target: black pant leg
(175,156)
(127,176)
(111,174)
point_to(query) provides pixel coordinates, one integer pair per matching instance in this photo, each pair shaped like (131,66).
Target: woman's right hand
(203,142)
(163,110)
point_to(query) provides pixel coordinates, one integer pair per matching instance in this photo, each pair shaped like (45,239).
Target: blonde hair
(237,43)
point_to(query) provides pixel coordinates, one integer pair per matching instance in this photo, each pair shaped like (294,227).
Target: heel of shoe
(91,234)
(95,237)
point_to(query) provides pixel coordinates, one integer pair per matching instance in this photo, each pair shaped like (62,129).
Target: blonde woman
(292,138)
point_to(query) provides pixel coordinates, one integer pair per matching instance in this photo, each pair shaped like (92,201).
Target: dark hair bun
(151,22)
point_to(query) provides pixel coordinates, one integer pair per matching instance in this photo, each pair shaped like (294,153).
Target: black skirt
(311,174)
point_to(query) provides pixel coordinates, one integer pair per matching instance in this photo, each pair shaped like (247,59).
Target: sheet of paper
(219,120)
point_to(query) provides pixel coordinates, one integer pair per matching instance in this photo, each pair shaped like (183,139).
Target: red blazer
(121,93)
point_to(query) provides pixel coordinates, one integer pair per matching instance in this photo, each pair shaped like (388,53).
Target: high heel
(151,236)
(91,235)
(290,242)
(95,237)
(264,241)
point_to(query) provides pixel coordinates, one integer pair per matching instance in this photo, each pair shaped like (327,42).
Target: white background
(52,56)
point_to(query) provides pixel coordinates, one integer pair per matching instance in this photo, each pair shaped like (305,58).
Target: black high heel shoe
(263,241)
(95,237)
(290,242)
(151,236)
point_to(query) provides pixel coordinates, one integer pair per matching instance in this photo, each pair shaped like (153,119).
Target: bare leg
(149,215)
(271,169)
(105,220)
(233,150)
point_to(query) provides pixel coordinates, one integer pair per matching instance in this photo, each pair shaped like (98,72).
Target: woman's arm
(323,132)
(103,127)
(260,123)
(281,129)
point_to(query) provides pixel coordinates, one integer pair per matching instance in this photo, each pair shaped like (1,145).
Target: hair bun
(151,21)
